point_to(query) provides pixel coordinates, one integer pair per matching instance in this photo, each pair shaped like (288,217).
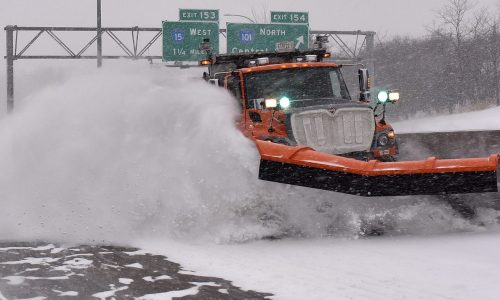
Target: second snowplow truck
(310,132)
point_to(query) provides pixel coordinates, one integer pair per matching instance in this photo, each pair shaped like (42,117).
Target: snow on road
(113,156)
(455,266)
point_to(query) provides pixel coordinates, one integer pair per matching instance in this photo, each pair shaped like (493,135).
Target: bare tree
(262,14)
(454,15)
(494,56)
(455,68)
(457,26)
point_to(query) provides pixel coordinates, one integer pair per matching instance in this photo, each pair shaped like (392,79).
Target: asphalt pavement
(46,271)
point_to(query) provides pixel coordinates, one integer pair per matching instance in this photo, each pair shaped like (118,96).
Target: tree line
(455,68)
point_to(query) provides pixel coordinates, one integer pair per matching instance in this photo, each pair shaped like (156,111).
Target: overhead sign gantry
(181,40)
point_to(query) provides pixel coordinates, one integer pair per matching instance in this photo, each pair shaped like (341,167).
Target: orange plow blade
(305,167)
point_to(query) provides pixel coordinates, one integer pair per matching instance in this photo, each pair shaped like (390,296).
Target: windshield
(303,86)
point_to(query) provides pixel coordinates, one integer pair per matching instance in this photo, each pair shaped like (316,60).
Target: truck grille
(343,131)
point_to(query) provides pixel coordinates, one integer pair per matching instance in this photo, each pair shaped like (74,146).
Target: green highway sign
(251,37)
(181,40)
(289,17)
(210,15)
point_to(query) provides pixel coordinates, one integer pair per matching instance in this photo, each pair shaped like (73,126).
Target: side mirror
(364,84)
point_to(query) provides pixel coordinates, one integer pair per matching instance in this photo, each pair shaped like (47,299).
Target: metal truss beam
(135,32)
(353,52)
(134,51)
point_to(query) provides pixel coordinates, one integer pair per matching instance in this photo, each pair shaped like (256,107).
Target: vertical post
(99,35)
(495,59)
(370,43)
(10,68)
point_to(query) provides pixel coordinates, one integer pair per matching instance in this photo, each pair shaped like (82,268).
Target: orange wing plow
(305,167)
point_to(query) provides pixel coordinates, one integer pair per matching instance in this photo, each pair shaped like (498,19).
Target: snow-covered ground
(478,120)
(454,266)
(114,156)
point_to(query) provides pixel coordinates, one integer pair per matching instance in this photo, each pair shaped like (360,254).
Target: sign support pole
(99,35)
(10,68)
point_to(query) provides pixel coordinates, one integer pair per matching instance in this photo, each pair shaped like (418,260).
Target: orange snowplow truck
(310,132)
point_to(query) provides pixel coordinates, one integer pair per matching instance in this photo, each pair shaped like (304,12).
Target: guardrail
(459,144)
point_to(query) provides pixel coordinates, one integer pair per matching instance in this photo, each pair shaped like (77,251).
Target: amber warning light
(205,62)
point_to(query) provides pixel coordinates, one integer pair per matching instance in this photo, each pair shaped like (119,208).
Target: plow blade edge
(305,167)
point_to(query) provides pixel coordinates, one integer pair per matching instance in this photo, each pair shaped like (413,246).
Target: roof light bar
(263,61)
(311,57)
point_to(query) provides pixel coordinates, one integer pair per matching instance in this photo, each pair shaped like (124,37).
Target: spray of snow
(130,151)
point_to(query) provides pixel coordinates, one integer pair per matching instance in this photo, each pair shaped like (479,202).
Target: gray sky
(387,17)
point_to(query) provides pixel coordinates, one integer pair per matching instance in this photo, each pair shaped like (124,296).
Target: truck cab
(297,99)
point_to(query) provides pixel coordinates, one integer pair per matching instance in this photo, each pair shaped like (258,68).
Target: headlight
(271,103)
(383,140)
(284,102)
(382,96)
(393,96)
